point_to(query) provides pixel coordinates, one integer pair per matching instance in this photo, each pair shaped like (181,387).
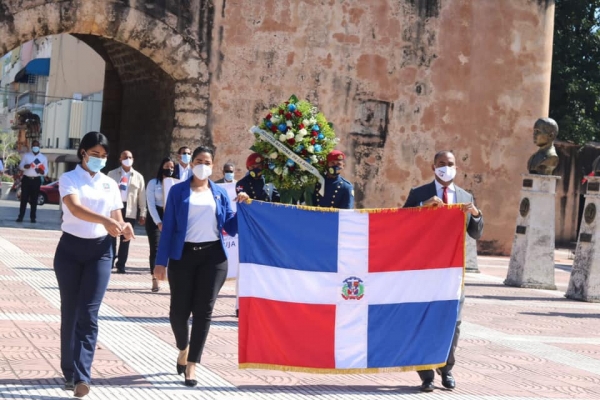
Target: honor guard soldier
(339,193)
(254,184)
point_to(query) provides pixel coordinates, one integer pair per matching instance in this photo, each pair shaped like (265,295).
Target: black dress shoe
(120,270)
(19,219)
(69,384)
(237,313)
(448,381)
(191,382)
(427,386)
(33,221)
(181,368)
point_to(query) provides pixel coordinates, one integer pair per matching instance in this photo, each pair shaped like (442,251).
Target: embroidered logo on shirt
(106,186)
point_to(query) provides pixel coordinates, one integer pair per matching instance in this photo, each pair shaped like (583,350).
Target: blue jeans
(82,268)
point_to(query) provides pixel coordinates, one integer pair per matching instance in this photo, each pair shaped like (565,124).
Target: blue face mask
(35,149)
(186,158)
(335,170)
(95,164)
(228,176)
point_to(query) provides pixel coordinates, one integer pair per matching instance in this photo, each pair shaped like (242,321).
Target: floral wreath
(299,126)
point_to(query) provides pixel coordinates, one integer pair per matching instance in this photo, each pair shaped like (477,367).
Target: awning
(38,66)
(62,158)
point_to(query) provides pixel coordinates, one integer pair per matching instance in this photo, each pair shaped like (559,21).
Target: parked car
(48,194)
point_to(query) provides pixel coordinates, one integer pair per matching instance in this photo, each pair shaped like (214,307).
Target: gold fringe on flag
(340,370)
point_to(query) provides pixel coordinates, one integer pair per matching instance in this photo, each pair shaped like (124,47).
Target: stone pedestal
(471,248)
(532,257)
(584,283)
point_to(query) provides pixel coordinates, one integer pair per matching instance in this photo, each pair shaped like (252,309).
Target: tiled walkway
(516,343)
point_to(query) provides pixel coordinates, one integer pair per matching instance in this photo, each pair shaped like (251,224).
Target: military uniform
(339,193)
(256,189)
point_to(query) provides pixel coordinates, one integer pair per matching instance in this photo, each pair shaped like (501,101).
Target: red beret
(252,159)
(335,155)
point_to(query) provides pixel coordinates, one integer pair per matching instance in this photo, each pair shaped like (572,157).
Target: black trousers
(153,236)
(120,257)
(195,282)
(82,268)
(30,190)
(429,373)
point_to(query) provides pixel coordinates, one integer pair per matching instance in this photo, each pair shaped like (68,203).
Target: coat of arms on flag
(348,290)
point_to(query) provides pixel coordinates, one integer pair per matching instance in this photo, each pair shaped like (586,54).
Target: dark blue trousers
(82,268)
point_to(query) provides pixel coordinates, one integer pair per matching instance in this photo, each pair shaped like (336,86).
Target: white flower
(274,119)
(277,170)
(312,121)
(313,159)
(282,137)
(273,155)
(285,171)
(303,132)
(303,178)
(289,135)
(310,148)
(305,122)
(289,124)
(299,138)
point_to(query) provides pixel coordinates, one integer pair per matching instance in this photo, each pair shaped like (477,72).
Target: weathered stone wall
(401,79)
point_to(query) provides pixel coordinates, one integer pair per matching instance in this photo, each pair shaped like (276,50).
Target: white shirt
(34,160)
(451,192)
(124,184)
(98,193)
(154,198)
(184,173)
(202,218)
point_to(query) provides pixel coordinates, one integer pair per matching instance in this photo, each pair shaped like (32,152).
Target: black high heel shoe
(181,369)
(190,382)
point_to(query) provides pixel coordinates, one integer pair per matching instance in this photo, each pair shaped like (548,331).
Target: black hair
(203,149)
(92,139)
(159,174)
(441,153)
(228,164)
(181,149)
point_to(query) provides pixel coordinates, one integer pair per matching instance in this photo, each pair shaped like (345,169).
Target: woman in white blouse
(91,205)
(156,204)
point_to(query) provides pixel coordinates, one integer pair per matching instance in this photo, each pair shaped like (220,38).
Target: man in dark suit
(437,193)
(183,170)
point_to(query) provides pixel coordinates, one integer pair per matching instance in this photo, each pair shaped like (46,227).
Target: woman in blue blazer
(191,244)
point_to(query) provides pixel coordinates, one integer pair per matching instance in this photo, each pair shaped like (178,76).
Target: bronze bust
(545,160)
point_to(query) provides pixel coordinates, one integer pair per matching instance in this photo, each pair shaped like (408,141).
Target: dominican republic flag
(323,290)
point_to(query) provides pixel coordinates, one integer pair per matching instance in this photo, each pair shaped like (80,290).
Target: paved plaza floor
(516,343)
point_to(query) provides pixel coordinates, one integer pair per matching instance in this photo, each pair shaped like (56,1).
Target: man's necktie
(445,195)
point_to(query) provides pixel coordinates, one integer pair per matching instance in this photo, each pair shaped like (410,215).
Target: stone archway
(179,55)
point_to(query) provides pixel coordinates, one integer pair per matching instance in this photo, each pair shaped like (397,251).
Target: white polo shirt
(98,193)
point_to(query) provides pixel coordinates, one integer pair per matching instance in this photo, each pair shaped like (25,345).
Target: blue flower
(320,136)
(292,107)
(290,163)
(300,147)
(316,128)
(269,124)
(317,148)
(271,166)
(282,127)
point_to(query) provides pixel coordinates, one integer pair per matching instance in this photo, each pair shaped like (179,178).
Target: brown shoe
(81,389)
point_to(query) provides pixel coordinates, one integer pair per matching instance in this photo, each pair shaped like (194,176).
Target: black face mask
(256,173)
(335,170)
(167,172)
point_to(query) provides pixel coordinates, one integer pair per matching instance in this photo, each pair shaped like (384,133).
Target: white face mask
(128,162)
(202,171)
(446,174)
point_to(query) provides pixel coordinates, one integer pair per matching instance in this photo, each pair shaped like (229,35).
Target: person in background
(183,169)
(156,204)
(254,183)
(339,193)
(435,194)
(35,167)
(228,173)
(91,205)
(191,245)
(133,194)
